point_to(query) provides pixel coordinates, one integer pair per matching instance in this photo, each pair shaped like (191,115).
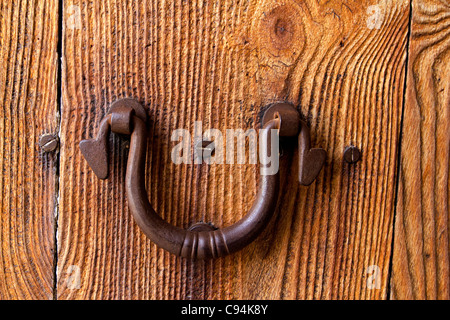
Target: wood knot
(281,29)
(283,33)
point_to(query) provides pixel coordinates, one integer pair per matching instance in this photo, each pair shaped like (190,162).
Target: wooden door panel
(421,249)
(348,81)
(220,62)
(28,177)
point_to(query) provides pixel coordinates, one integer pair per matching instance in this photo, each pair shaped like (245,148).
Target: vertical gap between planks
(399,150)
(58,157)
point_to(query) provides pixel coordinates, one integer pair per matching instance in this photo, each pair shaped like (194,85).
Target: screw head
(49,142)
(205,148)
(352,155)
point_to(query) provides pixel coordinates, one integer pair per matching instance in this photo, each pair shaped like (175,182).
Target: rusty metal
(352,155)
(289,117)
(201,241)
(205,148)
(202,227)
(49,142)
(311,161)
(119,119)
(95,151)
(127,103)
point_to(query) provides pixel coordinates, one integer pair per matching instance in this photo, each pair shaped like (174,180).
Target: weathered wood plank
(348,78)
(219,62)
(421,254)
(28,178)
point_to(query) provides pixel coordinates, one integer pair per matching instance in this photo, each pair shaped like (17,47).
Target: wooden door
(372,74)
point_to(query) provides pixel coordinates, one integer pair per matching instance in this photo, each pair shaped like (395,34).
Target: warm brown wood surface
(421,253)
(28,178)
(342,62)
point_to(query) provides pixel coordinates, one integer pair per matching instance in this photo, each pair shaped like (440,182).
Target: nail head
(206,147)
(48,143)
(352,155)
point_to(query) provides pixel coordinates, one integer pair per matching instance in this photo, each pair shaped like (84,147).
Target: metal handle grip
(201,241)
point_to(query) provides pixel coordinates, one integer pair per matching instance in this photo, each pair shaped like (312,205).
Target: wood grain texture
(28,179)
(220,62)
(421,253)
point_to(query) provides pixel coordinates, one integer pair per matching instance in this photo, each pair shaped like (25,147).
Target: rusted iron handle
(202,241)
(190,243)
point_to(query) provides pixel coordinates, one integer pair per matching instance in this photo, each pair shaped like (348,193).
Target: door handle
(201,241)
